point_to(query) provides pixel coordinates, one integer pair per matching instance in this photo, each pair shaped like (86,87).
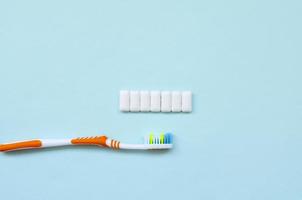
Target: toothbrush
(164,141)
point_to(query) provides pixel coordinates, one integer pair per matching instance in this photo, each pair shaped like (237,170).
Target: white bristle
(146,139)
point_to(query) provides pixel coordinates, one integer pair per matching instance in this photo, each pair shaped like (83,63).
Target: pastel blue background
(62,64)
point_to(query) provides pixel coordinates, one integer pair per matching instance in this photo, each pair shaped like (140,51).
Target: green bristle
(151,137)
(162,138)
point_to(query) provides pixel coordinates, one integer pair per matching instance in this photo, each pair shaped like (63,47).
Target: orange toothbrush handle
(31,144)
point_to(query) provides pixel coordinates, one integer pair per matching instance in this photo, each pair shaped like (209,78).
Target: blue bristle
(168,138)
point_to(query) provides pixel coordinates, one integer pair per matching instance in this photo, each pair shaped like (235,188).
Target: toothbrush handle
(35,144)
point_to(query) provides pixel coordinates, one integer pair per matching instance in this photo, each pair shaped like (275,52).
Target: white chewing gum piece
(134,101)
(155,101)
(176,101)
(124,101)
(144,101)
(186,101)
(166,101)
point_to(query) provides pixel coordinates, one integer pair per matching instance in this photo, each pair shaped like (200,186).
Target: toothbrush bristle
(161,139)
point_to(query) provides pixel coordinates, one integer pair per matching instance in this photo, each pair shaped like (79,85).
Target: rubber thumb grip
(98,140)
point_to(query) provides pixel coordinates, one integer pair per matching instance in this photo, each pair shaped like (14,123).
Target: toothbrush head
(163,141)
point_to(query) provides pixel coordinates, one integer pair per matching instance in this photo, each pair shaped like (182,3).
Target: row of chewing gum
(155,101)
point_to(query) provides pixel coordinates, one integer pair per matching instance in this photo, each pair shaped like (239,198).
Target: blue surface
(62,64)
